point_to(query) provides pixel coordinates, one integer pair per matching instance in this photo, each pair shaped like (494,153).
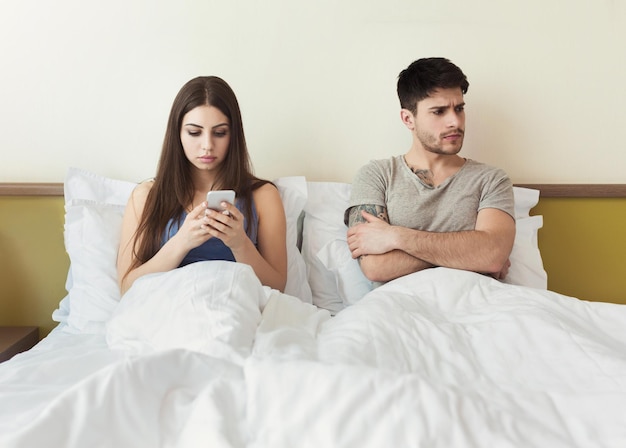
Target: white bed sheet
(33,379)
(439,358)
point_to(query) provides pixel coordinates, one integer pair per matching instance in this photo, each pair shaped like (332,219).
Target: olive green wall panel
(33,261)
(583,245)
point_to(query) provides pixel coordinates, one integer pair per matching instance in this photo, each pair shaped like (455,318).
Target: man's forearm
(473,250)
(391,265)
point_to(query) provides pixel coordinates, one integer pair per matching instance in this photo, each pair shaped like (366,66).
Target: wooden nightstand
(14,340)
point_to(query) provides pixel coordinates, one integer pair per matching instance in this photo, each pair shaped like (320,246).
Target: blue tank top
(214,248)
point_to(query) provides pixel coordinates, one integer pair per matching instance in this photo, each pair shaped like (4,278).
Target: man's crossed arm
(386,252)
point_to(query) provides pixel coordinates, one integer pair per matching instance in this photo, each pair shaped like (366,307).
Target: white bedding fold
(32,380)
(212,307)
(175,398)
(495,364)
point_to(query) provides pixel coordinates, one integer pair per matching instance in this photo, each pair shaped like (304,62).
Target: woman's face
(205,136)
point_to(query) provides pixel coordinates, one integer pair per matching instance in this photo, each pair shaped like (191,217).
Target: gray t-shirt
(449,207)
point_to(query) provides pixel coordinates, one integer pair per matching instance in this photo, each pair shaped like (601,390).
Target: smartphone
(214,199)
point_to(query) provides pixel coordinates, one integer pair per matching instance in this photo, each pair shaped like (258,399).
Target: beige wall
(89,84)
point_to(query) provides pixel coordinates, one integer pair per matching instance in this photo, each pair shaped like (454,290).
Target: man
(430,206)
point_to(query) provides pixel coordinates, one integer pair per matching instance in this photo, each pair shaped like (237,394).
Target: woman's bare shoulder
(266,192)
(142,189)
(139,196)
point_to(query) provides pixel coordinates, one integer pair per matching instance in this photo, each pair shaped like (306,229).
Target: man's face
(439,123)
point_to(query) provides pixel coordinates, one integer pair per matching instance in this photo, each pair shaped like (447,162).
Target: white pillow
(92,235)
(526,262)
(335,277)
(94,206)
(524,199)
(85,185)
(293,191)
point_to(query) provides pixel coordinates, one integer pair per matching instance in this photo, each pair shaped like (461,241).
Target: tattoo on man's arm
(355,217)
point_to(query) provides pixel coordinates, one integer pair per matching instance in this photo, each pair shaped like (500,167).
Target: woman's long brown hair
(173,189)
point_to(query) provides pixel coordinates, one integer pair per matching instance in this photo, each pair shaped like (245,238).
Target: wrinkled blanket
(440,358)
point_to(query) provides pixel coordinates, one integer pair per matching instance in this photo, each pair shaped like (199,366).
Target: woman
(167,223)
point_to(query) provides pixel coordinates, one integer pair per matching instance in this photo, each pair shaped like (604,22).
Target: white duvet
(440,358)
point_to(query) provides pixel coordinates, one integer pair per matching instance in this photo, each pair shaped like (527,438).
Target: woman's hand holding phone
(223,220)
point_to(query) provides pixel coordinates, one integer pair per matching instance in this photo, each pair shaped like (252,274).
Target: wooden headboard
(582,242)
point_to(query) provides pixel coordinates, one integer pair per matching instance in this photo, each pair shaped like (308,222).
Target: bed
(439,358)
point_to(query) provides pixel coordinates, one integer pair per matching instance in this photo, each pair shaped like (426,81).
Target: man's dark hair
(423,76)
